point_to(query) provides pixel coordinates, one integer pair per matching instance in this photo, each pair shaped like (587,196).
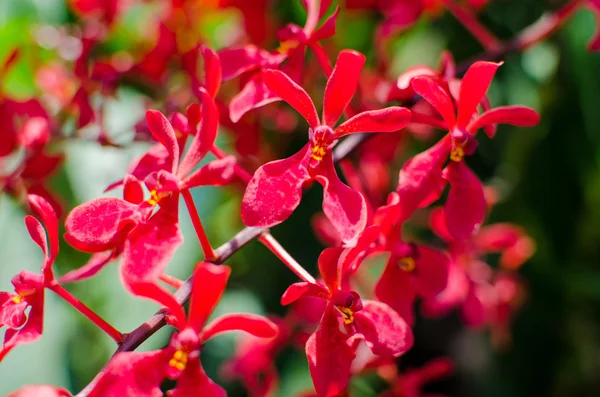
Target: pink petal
(209,284)
(163,132)
(275,190)
(389,119)
(465,207)
(285,88)
(329,267)
(520,116)
(343,206)
(473,87)
(132,375)
(437,223)
(253,324)
(133,191)
(204,139)
(341,85)
(329,356)
(385,332)
(90,269)
(420,180)
(31,331)
(194,382)
(395,289)
(351,258)
(218,172)
(431,271)
(212,68)
(100,224)
(299,290)
(40,391)
(254,95)
(438,97)
(12,315)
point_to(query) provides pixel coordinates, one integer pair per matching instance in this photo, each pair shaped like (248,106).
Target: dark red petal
(275,190)
(204,139)
(341,85)
(385,332)
(473,87)
(327,28)
(194,382)
(163,132)
(253,324)
(315,10)
(132,374)
(40,391)
(431,271)
(133,190)
(329,356)
(389,119)
(395,289)
(330,268)
(212,68)
(298,290)
(218,172)
(420,180)
(209,284)
(520,116)
(343,206)
(437,96)
(90,269)
(101,224)
(285,88)
(437,223)
(254,95)
(465,207)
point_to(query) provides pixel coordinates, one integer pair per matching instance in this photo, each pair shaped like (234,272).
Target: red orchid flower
(294,41)
(423,177)
(149,238)
(137,374)
(29,287)
(276,187)
(40,391)
(346,320)
(412,382)
(412,269)
(472,284)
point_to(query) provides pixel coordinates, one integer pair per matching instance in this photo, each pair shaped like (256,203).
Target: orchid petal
(194,382)
(253,324)
(49,220)
(299,290)
(329,267)
(40,391)
(212,67)
(389,119)
(520,116)
(394,289)
(431,271)
(341,85)
(218,172)
(473,87)
(438,97)
(163,132)
(254,95)
(209,284)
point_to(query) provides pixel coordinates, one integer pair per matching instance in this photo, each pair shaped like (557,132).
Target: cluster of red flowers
(337,314)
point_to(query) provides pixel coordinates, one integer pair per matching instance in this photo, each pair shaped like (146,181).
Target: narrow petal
(236,61)
(254,95)
(341,85)
(329,267)
(385,332)
(473,87)
(327,28)
(275,190)
(49,220)
(209,284)
(253,324)
(431,271)
(352,257)
(329,356)
(438,97)
(343,206)
(100,224)
(520,116)
(389,119)
(285,88)
(395,289)
(212,71)
(465,207)
(163,132)
(132,374)
(194,382)
(204,139)
(37,233)
(90,269)
(218,172)
(298,290)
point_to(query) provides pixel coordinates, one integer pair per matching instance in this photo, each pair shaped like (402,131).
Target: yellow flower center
(318,151)
(347,314)
(179,360)
(288,45)
(407,264)
(156,197)
(17,299)
(457,154)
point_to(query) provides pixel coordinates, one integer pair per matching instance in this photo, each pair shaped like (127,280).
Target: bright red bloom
(346,321)
(423,177)
(289,58)
(29,287)
(140,374)
(276,188)
(40,391)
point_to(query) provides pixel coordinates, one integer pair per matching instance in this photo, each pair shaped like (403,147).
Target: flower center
(17,299)
(407,264)
(318,152)
(287,45)
(347,314)
(179,360)
(156,197)
(322,139)
(457,154)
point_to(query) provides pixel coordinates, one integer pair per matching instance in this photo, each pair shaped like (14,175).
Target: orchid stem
(170,280)
(86,311)
(273,245)
(240,172)
(209,253)
(468,20)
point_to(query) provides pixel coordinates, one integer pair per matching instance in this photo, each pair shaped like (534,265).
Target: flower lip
(322,140)
(347,303)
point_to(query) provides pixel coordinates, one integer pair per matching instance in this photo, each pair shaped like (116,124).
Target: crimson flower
(294,41)
(29,287)
(276,187)
(130,374)
(423,177)
(148,237)
(346,320)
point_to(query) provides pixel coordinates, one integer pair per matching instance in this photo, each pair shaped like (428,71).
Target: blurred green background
(549,176)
